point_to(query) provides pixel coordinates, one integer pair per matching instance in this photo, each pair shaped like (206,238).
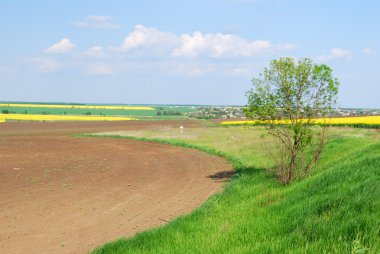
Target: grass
(335,210)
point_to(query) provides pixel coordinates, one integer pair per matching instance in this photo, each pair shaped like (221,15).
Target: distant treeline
(168,113)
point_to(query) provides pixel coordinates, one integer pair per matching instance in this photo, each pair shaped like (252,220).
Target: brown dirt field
(60,194)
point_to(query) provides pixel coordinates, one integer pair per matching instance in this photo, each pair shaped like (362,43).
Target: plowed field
(62,194)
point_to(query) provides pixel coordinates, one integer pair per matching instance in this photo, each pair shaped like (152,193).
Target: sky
(181,52)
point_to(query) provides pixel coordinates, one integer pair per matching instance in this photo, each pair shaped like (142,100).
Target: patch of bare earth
(60,194)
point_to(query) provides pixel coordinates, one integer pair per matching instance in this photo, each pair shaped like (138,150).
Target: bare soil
(61,194)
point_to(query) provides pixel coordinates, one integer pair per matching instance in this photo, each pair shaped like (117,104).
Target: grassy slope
(336,210)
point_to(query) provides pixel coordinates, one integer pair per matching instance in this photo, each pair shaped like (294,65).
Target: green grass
(335,210)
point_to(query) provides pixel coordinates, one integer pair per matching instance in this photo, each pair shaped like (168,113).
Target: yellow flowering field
(75,106)
(365,120)
(31,117)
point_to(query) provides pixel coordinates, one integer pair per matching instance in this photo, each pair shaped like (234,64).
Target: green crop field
(76,111)
(334,210)
(158,112)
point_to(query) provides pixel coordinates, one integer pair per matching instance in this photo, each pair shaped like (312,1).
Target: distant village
(236,112)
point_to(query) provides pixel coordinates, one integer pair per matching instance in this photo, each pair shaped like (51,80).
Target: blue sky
(180,52)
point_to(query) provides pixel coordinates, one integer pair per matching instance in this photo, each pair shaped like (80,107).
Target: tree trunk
(291,167)
(292,160)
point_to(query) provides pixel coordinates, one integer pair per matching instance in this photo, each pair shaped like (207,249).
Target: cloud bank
(149,49)
(144,41)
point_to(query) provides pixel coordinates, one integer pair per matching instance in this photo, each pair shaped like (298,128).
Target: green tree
(287,97)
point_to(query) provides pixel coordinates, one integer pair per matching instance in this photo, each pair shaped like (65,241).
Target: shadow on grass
(228,175)
(222,176)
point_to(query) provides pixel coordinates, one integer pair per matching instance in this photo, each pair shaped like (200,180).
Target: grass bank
(335,210)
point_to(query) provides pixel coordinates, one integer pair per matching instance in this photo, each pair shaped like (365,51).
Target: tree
(287,97)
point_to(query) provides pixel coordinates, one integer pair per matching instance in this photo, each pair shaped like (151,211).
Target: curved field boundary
(236,163)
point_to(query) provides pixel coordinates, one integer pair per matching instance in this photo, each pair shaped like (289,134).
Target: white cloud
(145,41)
(368,51)
(101,70)
(335,53)
(149,41)
(96,52)
(97,22)
(62,47)
(46,64)
(219,45)
(169,54)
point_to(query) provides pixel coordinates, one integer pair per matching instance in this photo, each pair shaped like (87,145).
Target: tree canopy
(288,96)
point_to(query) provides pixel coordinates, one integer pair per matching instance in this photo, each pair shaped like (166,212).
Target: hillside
(335,210)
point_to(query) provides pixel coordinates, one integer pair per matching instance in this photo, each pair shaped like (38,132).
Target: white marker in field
(181,128)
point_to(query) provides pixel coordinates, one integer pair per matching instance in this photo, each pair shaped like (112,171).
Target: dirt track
(60,194)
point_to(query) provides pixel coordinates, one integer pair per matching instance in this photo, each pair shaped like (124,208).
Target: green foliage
(6,111)
(295,92)
(169,113)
